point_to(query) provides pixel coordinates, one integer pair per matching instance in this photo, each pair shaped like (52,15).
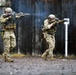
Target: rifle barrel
(27,14)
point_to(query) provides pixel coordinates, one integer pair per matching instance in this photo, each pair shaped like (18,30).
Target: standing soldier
(9,25)
(49,29)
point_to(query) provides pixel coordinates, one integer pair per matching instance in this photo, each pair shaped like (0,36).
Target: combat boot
(8,60)
(44,57)
(52,59)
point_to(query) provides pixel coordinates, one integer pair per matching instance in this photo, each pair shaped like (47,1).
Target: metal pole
(66,40)
(66,36)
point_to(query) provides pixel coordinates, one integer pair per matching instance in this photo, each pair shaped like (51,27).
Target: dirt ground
(38,66)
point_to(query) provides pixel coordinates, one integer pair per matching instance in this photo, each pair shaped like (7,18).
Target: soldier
(49,30)
(9,39)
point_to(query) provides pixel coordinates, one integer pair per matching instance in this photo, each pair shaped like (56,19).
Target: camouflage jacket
(47,29)
(7,22)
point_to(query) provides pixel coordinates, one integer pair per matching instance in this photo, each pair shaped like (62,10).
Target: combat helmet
(52,16)
(8,9)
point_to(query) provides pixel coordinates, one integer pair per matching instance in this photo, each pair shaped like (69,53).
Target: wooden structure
(29,38)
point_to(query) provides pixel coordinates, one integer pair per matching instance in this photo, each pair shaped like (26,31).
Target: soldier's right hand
(8,17)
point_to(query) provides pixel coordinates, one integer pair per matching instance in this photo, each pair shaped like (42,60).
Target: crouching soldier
(49,29)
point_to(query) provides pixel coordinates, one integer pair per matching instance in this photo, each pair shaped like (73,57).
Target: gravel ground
(38,66)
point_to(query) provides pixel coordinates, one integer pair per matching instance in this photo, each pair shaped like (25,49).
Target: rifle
(21,14)
(15,15)
(52,24)
(57,21)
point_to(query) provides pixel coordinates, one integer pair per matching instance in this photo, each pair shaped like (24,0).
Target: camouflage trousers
(50,40)
(9,41)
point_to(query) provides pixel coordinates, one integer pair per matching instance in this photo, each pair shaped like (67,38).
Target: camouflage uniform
(49,29)
(8,20)
(9,38)
(49,36)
